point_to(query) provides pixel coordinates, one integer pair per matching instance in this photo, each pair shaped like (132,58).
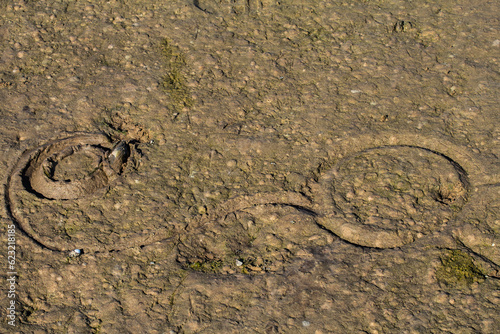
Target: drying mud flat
(250,166)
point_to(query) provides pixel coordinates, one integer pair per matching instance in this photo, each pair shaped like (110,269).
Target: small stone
(75,252)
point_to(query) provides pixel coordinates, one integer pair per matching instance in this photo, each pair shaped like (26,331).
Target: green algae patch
(207,267)
(173,82)
(457,269)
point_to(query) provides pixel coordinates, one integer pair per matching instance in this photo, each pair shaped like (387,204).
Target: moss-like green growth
(458,269)
(207,267)
(173,82)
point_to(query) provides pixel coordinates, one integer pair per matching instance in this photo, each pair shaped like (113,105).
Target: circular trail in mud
(388,196)
(74,168)
(61,195)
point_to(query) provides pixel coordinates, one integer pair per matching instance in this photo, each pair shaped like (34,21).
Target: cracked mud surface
(298,166)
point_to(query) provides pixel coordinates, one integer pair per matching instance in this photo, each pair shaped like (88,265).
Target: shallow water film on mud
(250,166)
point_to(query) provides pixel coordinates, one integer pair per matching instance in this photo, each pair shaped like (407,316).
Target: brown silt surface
(245,166)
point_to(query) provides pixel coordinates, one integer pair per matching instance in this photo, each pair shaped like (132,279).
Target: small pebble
(75,252)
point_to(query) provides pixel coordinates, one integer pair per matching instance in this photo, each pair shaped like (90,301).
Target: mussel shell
(118,156)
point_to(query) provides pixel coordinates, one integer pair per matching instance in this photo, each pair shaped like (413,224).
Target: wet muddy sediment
(251,166)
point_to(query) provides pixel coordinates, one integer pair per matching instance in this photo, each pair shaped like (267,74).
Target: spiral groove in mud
(381,196)
(67,169)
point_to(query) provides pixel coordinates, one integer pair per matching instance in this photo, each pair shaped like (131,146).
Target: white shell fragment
(75,252)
